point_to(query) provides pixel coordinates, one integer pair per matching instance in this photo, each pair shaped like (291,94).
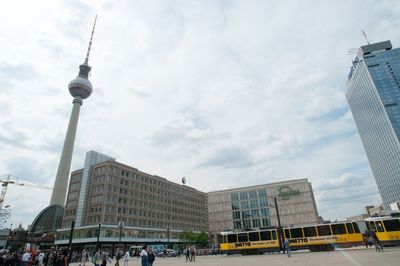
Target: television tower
(80,88)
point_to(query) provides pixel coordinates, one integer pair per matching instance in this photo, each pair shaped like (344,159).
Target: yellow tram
(320,237)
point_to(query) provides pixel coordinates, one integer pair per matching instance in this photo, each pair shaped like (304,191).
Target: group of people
(39,258)
(190,253)
(147,256)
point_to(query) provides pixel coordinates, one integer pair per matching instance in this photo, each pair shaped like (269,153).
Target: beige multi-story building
(109,194)
(254,206)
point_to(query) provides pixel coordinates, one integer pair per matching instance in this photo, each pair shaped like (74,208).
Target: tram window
(379,226)
(265,235)
(287,235)
(232,238)
(243,237)
(254,236)
(392,225)
(296,232)
(349,228)
(310,231)
(324,230)
(371,226)
(356,229)
(338,229)
(273,235)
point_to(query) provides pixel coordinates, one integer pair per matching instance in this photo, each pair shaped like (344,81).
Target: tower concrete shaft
(61,183)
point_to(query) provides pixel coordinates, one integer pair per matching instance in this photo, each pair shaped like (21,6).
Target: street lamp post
(121,224)
(280,231)
(98,237)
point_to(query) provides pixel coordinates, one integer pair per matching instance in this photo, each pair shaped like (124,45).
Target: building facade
(254,206)
(128,204)
(374,99)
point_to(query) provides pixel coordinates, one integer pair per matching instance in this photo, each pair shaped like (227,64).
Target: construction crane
(8,181)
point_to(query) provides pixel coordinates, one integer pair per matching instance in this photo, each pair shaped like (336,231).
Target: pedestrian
(84,257)
(150,256)
(187,254)
(104,258)
(26,258)
(193,254)
(41,258)
(287,247)
(144,256)
(377,243)
(118,257)
(63,260)
(126,258)
(96,259)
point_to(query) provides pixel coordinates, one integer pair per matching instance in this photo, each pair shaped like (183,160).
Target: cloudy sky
(225,93)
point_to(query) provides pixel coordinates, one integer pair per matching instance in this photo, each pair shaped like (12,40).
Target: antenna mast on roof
(365,36)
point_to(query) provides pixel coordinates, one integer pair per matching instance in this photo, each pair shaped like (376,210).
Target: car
(167,253)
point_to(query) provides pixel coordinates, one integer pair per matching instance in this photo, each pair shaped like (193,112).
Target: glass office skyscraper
(374,98)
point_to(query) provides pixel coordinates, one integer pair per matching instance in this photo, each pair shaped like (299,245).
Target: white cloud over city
(225,93)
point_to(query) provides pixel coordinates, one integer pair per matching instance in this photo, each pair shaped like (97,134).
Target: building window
(235,205)
(253,204)
(253,194)
(237,225)
(263,202)
(236,215)
(246,224)
(244,204)
(244,195)
(255,213)
(265,212)
(234,196)
(246,214)
(262,193)
(256,223)
(266,222)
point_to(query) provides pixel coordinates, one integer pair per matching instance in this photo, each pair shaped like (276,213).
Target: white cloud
(226,93)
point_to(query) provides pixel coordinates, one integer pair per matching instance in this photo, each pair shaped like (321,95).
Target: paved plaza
(357,256)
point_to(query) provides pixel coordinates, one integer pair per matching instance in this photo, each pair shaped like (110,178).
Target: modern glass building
(374,99)
(254,207)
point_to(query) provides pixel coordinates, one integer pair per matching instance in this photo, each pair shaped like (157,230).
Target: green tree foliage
(203,239)
(188,236)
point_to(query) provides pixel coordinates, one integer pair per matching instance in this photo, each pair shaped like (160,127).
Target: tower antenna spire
(90,42)
(365,36)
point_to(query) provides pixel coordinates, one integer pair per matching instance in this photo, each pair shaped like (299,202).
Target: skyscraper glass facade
(374,99)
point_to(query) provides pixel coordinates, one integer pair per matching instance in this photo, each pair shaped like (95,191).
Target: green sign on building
(286,192)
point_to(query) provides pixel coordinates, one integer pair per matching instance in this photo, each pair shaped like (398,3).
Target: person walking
(104,258)
(63,261)
(151,257)
(287,247)
(25,258)
(193,253)
(118,257)
(377,243)
(84,258)
(144,256)
(96,259)
(187,254)
(126,258)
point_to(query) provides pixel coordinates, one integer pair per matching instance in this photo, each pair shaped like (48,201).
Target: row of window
(251,236)
(252,204)
(253,223)
(237,215)
(245,195)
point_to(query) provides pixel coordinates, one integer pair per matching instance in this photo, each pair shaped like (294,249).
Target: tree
(188,236)
(203,239)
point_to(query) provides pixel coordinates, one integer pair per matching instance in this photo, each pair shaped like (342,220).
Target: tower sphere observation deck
(81,87)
